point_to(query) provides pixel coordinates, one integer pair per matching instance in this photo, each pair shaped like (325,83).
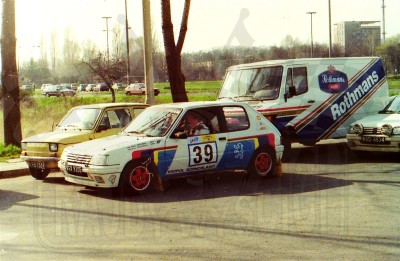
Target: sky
(212,23)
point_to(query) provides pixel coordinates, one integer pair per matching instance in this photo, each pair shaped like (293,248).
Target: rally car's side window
(236,118)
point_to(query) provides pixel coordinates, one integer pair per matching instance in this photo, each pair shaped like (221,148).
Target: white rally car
(377,132)
(156,146)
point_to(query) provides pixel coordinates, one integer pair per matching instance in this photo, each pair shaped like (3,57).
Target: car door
(111,122)
(240,142)
(199,153)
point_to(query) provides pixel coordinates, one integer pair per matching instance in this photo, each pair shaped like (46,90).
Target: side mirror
(102,127)
(292,91)
(179,135)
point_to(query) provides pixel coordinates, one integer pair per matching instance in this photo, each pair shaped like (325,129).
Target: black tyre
(263,162)
(135,178)
(39,174)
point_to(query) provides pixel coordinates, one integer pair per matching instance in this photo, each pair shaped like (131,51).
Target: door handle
(311,101)
(222,138)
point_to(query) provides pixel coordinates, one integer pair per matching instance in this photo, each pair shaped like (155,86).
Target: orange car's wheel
(39,174)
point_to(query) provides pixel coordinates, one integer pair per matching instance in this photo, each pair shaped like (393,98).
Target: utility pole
(148,60)
(383,21)
(108,50)
(128,67)
(330,29)
(312,44)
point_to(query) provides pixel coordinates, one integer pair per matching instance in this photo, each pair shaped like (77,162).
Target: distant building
(358,38)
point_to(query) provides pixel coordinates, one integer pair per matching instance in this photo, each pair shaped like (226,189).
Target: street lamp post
(312,44)
(330,29)
(108,51)
(128,68)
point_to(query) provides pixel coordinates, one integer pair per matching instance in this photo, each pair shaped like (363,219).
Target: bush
(9,151)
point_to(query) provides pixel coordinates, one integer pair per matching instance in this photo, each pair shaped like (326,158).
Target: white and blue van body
(312,99)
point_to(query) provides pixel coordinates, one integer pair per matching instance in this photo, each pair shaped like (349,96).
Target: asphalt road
(328,205)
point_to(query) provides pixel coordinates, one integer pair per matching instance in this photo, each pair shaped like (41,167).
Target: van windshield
(252,84)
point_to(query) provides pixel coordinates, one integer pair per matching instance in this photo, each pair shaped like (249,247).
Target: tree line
(196,66)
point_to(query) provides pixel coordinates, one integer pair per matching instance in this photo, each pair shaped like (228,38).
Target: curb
(13,168)
(13,173)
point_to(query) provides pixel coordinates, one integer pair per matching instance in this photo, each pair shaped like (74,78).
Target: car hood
(60,136)
(113,142)
(378,120)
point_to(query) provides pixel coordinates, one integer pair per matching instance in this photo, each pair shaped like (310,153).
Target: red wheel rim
(139,178)
(263,164)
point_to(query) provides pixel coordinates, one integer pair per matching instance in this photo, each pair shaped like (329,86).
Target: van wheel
(135,178)
(39,174)
(263,162)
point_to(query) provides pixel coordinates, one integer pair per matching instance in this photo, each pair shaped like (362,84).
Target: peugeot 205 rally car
(156,146)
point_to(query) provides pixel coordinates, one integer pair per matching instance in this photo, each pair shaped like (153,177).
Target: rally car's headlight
(356,129)
(387,129)
(99,160)
(53,147)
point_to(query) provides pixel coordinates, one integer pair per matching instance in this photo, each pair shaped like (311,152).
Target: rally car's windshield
(154,122)
(252,84)
(80,118)
(392,107)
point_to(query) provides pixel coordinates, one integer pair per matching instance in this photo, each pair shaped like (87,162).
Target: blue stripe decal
(345,103)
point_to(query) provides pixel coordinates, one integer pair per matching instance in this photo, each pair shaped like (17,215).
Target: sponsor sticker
(332,80)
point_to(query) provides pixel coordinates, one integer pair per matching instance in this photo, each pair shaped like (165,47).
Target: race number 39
(203,153)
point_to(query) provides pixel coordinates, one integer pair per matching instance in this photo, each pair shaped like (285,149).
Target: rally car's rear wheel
(39,174)
(263,162)
(135,178)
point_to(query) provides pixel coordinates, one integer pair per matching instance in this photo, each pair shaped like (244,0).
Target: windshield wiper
(386,112)
(134,132)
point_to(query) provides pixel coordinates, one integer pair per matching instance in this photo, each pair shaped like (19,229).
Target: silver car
(379,132)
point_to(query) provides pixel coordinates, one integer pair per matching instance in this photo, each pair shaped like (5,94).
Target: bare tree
(106,71)
(173,50)
(9,77)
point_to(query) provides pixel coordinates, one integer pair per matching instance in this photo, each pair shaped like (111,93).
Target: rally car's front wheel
(135,178)
(263,162)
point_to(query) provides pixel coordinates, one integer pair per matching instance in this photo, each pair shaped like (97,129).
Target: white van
(309,100)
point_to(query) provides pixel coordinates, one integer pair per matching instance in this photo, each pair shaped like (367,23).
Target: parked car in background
(89,87)
(159,145)
(81,87)
(118,86)
(378,132)
(101,87)
(44,85)
(57,90)
(139,89)
(42,152)
(26,87)
(73,86)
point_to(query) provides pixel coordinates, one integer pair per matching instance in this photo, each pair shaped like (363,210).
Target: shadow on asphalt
(337,153)
(10,198)
(228,185)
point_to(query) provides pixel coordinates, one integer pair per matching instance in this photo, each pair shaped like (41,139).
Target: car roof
(201,104)
(110,105)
